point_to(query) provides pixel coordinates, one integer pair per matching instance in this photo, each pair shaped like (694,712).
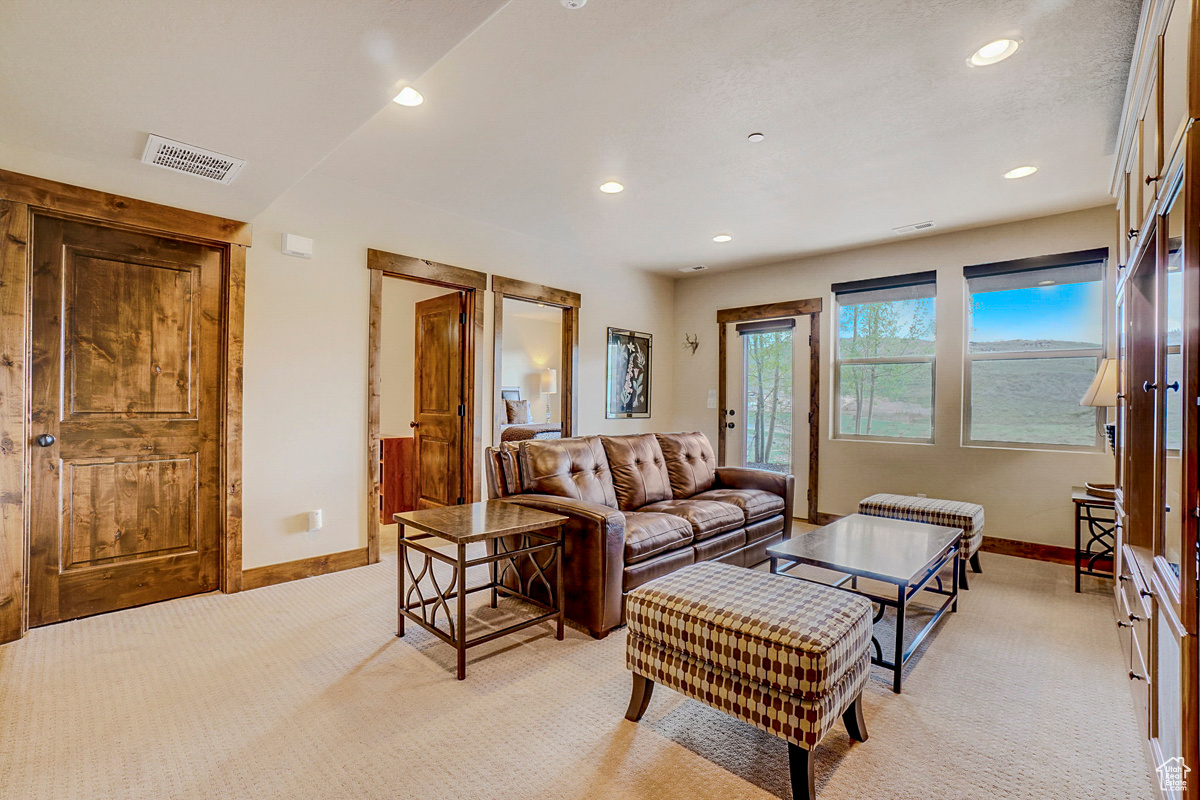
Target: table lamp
(549,386)
(1103,394)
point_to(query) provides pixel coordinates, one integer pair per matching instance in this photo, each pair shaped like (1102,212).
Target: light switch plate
(712,398)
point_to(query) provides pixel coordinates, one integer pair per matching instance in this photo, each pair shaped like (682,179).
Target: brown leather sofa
(639,507)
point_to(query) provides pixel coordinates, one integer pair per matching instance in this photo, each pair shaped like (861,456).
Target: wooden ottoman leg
(643,687)
(852,717)
(975,567)
(800,764)
(962,573)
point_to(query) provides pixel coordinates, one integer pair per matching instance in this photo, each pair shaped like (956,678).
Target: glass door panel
(767,390)
(1170,544)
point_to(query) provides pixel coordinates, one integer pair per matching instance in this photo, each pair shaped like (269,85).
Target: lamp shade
(1103,391)
(549,381)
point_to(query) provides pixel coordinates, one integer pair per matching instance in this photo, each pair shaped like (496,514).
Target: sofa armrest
(747,478)
(593,558)
(767,481)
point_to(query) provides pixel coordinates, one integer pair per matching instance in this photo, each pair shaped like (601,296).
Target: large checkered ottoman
(787,656)
(951,513)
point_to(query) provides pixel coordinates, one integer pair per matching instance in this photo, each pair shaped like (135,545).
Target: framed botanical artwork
(628,375)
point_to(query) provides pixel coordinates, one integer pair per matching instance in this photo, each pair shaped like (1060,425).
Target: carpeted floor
(302,691)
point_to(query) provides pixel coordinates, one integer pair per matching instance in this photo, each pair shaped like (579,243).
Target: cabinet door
(1151,144)
(1174,75)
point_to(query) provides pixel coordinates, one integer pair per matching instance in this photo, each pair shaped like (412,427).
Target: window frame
(1034,264)
(892,282)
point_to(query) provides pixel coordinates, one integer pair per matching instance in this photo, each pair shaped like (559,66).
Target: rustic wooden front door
(439,404)
(126,400)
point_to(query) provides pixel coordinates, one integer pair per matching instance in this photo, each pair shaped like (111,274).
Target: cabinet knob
(1152,178)
(1147,386)
(45,440)
(1133,232)
(1174,387)
(1135,618)
(414,424)
(1123,624)
(1123,578)
(1147,592)
(1133,676)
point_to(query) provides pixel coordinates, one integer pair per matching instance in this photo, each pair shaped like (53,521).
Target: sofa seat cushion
(639,471)
(789,635)
(755,504)
(707,517)
(648,534)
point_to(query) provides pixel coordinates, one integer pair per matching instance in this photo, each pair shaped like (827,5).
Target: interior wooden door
(439,406)
(126,399)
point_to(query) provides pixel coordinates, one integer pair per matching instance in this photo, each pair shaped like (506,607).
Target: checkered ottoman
(787,656)
(951,513)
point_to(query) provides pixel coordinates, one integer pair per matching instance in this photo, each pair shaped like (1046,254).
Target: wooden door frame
(22,198)
(569,303)
(383,264)
(811,308)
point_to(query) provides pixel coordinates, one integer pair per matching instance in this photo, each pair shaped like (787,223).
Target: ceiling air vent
(915,227)
(697,268)
(180,157)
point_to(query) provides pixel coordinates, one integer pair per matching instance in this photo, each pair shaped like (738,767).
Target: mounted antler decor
(691,340)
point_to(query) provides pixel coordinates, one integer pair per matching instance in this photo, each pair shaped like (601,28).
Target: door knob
(729,425)
(45,440)
(414,425)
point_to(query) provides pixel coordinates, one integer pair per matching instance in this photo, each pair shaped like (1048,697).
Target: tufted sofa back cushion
(575,468)
(691,465)
(639,471)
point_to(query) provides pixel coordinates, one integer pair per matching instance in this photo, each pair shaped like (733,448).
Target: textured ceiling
(872,117)
(873,120)
(279,83)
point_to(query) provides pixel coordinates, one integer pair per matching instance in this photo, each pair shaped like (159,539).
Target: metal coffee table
(908,555)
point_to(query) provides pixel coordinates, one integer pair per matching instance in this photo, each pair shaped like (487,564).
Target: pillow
(518,412)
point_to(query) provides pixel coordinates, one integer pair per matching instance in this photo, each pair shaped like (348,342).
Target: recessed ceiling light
(612,187)
(409,97)
(993,52)
(723,237)
(755,137)
(1020,172)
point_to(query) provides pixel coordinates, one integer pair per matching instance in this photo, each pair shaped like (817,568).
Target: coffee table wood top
(477,522)
(890,550)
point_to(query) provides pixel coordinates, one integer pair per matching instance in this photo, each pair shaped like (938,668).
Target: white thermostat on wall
(298,246)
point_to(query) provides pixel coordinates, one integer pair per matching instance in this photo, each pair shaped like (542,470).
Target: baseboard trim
(827,519)
(1033,550)
(272,574)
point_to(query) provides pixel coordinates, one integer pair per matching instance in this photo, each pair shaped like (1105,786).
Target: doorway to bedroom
(424,414)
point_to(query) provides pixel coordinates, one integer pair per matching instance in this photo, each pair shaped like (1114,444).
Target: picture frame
(629,362)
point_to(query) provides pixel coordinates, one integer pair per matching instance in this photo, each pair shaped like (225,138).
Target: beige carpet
(302,691)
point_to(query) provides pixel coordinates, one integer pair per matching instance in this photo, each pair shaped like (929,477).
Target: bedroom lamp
(549,386)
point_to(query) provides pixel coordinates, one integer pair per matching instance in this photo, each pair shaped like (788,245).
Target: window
(883,362)
(1036,337)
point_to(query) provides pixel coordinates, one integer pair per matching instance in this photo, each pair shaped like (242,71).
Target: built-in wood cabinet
(1157,187)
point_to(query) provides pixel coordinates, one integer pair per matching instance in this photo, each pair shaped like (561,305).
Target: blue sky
(1067,312)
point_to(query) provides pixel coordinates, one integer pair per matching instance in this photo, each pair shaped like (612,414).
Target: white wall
(1025,493)
(397,367)
(306,349)
(529,346)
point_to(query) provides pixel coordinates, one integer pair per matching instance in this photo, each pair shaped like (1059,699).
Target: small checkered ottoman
(787,656)
(951,513)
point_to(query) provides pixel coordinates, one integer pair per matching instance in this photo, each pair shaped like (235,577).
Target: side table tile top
(513,533)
